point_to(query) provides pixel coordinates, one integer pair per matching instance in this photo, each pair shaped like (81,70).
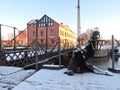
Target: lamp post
(78,19)
(78,22)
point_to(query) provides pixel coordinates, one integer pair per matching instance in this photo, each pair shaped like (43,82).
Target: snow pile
(11,76)
(56,80)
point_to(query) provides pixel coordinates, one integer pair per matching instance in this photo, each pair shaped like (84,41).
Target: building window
(52,32)
(52,41)
(33,33)
(45,21)
(41,33)
(41,41)
(61,32)
(62,41)
(65,34)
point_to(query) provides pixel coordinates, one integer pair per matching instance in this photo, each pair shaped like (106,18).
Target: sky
(93,13)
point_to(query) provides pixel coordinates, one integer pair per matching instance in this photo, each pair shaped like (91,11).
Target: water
(104,63)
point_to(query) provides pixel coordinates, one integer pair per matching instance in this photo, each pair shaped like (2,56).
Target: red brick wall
(21,39)
(31,28)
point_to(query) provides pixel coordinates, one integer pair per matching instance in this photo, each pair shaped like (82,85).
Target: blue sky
(104,14)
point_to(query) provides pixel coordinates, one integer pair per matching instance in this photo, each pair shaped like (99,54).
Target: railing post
(36,45)
(0,43)
(14,39)
(59,49)
(46,47)
(113,59)
(113,54)
(0,39)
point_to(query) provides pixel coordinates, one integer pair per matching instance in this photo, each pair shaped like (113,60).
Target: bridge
(32,55)
(35,55)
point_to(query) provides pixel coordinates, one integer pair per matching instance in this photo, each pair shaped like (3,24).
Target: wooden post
(0,39)
(113,54)
(36,45)
(14,39)
(59,49)
(46,47)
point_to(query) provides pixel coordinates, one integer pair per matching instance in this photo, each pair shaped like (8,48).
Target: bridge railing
(24,58)
(31,54)
(115,53)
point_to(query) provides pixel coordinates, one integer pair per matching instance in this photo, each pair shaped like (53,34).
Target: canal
(104,63)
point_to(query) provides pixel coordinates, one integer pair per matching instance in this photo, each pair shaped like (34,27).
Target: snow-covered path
(56,80)
(12,76)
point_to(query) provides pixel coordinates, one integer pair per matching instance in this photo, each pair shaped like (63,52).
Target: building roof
(32,21)
(61,24)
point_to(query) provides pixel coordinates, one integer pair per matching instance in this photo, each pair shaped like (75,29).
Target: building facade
(22,39)
(53,30)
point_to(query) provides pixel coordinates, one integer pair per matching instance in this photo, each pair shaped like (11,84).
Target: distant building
(22,39)
(55,30)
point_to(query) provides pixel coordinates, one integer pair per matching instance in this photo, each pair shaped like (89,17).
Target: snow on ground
(46,79)
(12,76)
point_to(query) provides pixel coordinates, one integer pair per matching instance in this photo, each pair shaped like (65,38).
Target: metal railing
(113,55)
(30,54)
